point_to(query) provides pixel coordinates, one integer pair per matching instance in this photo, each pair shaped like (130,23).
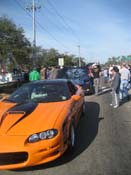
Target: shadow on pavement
(86,133)
(104,90)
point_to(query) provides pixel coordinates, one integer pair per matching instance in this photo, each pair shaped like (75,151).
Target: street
(103,144)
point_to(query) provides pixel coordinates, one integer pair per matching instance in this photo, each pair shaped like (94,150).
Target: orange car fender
(67,120)
(73,116)
(66,127)
(77,106)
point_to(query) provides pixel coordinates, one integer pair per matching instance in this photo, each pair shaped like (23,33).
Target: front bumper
(13,157)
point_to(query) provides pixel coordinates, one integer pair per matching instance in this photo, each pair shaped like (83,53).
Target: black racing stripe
(28,108)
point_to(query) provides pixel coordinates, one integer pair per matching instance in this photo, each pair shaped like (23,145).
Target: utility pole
(34,33)
(33,8)
(79,56)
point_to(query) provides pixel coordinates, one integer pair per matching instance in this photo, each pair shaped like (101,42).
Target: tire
(72,138)
(83,110)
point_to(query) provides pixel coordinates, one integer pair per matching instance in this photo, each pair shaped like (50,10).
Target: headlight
(33,138)
(42,135)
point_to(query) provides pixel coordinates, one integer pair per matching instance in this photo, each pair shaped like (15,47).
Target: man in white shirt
(110,72)
(125,77)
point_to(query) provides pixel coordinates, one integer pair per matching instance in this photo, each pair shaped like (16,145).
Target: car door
(76,104)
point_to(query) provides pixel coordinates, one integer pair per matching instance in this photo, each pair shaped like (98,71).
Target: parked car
(79,75)
(38,122)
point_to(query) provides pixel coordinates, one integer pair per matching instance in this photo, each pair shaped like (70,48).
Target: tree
(14,46)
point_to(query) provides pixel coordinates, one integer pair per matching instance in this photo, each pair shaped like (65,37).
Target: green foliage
(16,50)
(14,47)
(119,60)
(50,58)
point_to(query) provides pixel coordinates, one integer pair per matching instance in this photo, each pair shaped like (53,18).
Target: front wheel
(72,138)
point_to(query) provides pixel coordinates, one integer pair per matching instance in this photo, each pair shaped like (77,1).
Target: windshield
(40,93)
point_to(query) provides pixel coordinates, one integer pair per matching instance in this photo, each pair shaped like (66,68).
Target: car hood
(28,118)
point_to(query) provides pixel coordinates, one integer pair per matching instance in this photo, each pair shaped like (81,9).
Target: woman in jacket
(115,87)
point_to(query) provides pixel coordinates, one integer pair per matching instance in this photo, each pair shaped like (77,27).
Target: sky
(101,28)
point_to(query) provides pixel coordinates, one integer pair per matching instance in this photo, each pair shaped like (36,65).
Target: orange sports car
(38,122)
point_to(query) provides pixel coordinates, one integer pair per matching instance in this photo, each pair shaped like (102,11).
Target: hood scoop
(15,115)
(16,112)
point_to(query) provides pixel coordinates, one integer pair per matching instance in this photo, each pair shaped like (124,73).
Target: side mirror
(76,97)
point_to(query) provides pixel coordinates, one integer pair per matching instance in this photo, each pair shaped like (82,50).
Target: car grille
(13,158)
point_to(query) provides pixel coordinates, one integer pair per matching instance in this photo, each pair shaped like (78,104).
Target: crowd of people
(121,83)
(119,76)
(43,73)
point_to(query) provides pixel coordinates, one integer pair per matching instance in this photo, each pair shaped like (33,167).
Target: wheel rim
(72,136)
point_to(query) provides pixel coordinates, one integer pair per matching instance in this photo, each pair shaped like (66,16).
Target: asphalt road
(103,143)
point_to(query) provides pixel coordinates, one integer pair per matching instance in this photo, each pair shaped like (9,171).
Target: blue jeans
(123,89)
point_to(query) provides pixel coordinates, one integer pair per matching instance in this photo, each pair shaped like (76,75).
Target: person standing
(115,87)
(125,78)
(34,75)
(43,73)
(105,74)
(110,72)
(129,83)
(54,72)
(96,76)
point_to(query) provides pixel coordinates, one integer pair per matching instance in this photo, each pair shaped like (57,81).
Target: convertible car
(38,122)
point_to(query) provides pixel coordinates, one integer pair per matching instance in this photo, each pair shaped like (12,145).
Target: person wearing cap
(115,87)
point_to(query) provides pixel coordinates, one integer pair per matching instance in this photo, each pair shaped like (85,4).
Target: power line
(50,34)
(63,19)
(19,4)
(63,25)
(56,24)
(58,27)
